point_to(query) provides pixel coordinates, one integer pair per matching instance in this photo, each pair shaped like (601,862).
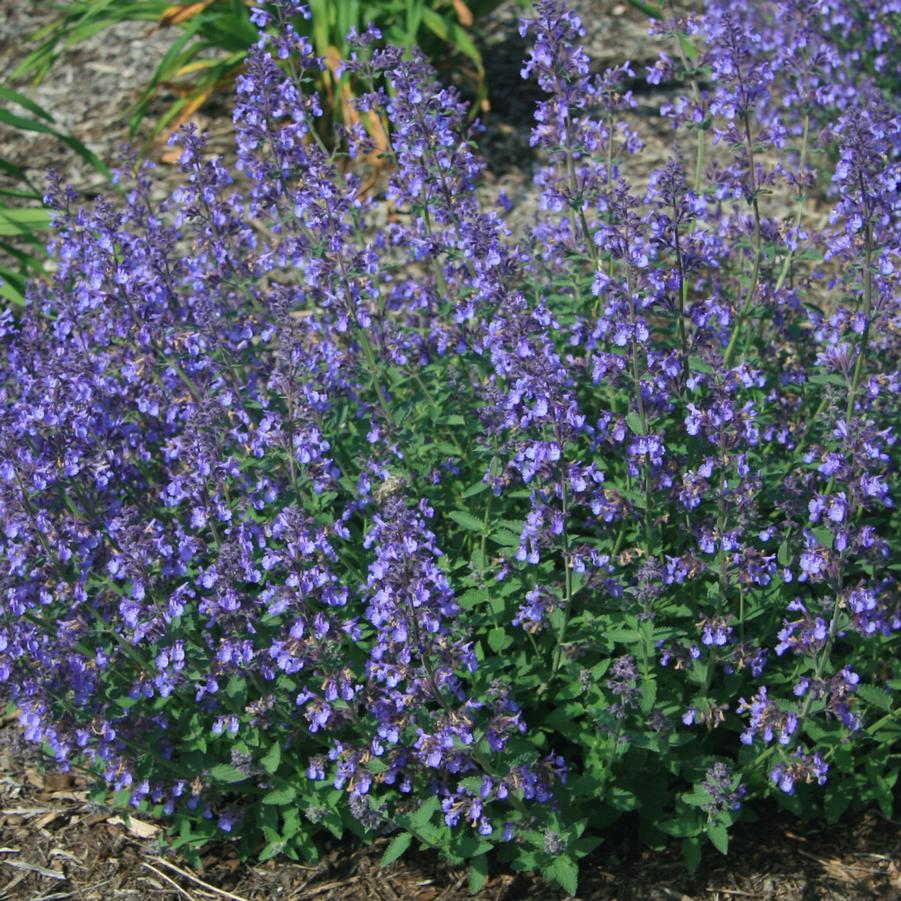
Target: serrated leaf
(633,420)
(505,538)
(689,49)
(473,598)
(291,821)
(396,849)
(836,803)
(719,837)
(831,378)
(565,872)
(283,795)
(691,853)
(272,758)
(272,849)
(466,520)
(225,772)
(478,873)
(498,640)
(784,555)
(696,364)
(875,696)
(236,688)
(422,816)
(475,488)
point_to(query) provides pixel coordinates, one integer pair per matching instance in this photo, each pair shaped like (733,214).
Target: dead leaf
(464,14)
(177,14)
(138,828)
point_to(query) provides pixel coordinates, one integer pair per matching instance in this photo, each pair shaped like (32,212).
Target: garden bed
(54,844)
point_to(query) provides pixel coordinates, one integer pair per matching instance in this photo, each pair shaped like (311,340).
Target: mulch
(55,844)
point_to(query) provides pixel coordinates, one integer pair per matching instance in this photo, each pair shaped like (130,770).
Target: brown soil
(55,845)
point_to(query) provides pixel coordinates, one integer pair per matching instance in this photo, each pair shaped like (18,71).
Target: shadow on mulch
(55,845)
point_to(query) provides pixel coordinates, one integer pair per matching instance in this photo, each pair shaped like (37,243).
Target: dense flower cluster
(327,505)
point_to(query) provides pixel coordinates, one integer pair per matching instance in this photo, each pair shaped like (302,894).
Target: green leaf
(691,52)
(831,378)
(225,772)
(498,640)
(719,837)
(505,538)
(475,488)
(272,758)
(236,688)
(586,844)
(25,102)
(824,536)
(565,872)
(836,803)
(478,873)
(875,696)
(272,849)
(26,124)
(23,221)
(784,555)
(396,849)
(691,853)
(283,795)
(466,520)
(473,598)
(425,812)
(651,12)
(10,288)
(633,420)
(696,364)
(453,34)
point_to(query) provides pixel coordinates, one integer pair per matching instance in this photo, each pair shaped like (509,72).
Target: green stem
(567,580)
(758,247)
(696,94)
(645,421)
(380,392)
(867,309)
(699,160)
(486,519)
(786,263)
(683,297)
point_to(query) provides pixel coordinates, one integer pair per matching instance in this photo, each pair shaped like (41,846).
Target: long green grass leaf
(25,124)
(455,35)
(12,286)
(24,221)
(26,102)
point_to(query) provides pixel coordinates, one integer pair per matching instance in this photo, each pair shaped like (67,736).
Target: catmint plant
(329,504)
